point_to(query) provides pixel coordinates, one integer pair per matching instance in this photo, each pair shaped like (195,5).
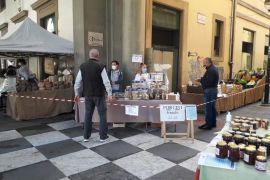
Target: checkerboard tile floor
(56,151)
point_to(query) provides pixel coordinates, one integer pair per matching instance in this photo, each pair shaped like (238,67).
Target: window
(247,49)
(48,23)
(218,36)
(2,5)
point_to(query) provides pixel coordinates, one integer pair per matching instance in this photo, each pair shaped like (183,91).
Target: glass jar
(246,134)
(250,119)
(259,143)
(234,154)
(238,139)
(254,125)
(244,129)
(246,140)
(262,151)
(250,155)
(252,131)
(265,124)
(237,117)
(260,136)
(221,150)
(242,148)
(243,117)
(261,163)
(252,141)
(227,137)
(238,133)
(235,129)
(231,132)
(266,143)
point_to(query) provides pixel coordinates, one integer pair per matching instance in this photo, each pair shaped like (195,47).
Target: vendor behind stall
(116,77)
(7,84)
(143,75)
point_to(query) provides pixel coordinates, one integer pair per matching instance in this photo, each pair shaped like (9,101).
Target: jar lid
(237,117)
(251,138)
(262,149)
(242,146)
(251,149)
(226,134)
(254,135)
(261,158)
(265,140)
(238,136)
(222,143)
(234,146)
(250,118)
(243,117)
(238,132)
(231,144)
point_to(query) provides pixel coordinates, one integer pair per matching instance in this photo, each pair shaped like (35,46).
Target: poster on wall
(49,66)
(95,39)
(137,58)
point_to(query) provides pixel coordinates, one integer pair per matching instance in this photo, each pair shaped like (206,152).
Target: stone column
(133,35)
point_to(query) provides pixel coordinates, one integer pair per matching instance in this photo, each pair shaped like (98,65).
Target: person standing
(116,77)
(209,84)
(93,79)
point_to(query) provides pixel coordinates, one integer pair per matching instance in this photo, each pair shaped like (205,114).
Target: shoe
(104,140)
(206,128)
(86,140)
(200,127)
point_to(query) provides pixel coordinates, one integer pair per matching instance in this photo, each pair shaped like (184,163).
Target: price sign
(172,112)
(191,112)
(132,110)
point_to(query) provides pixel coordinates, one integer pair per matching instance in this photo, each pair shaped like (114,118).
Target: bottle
(228,117)
(177,97)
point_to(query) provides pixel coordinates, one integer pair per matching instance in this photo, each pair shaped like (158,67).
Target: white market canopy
(32,40)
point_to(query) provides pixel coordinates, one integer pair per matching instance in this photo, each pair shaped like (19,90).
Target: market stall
(240,151)
(231,96)
(55,72)
(39,104)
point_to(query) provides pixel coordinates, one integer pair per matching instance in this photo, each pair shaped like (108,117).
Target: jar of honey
(254,125)
(244,129)
(242,148)
(252,141)
(261,163)
(234,154)
(262,151)
(235,129)
(227,137)
(266,142)
(221,150)
(246,134)
(238,139)
(237,117)
(250,155)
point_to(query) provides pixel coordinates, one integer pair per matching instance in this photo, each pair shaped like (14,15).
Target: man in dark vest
(93,79)
(209,84)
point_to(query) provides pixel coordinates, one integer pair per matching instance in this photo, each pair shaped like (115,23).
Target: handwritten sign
(95,39)
(137,58)
(172,112)
(191,112)
(132,110)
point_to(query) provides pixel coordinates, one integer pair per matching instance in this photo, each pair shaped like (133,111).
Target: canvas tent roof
(32,40)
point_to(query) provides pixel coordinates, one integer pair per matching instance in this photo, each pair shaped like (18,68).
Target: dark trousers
(210,108)
(90,104)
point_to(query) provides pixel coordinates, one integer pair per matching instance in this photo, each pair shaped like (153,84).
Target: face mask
(144,70)
(114,67)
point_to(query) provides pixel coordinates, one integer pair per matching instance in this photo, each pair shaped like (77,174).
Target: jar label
(246,157)
(217,151)
(241,154)
(260,166)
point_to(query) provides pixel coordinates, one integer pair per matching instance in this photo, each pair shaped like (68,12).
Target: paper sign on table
(207,159)
(132,110)
(191,112)
(172,112)
(137,58)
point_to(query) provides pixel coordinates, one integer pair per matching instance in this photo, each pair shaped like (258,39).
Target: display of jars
(238,139)
(234,154)
(266,142)
(221,150)
(242,148)
(250,155)
(261,163)
(227,137)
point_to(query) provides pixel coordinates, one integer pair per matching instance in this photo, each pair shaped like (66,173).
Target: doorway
(166,41)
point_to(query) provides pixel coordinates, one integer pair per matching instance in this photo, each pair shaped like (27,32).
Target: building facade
(162,31)
(54,15)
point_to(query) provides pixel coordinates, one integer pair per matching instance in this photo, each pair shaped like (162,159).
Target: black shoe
(200,127)
(104,140)
(206,128)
